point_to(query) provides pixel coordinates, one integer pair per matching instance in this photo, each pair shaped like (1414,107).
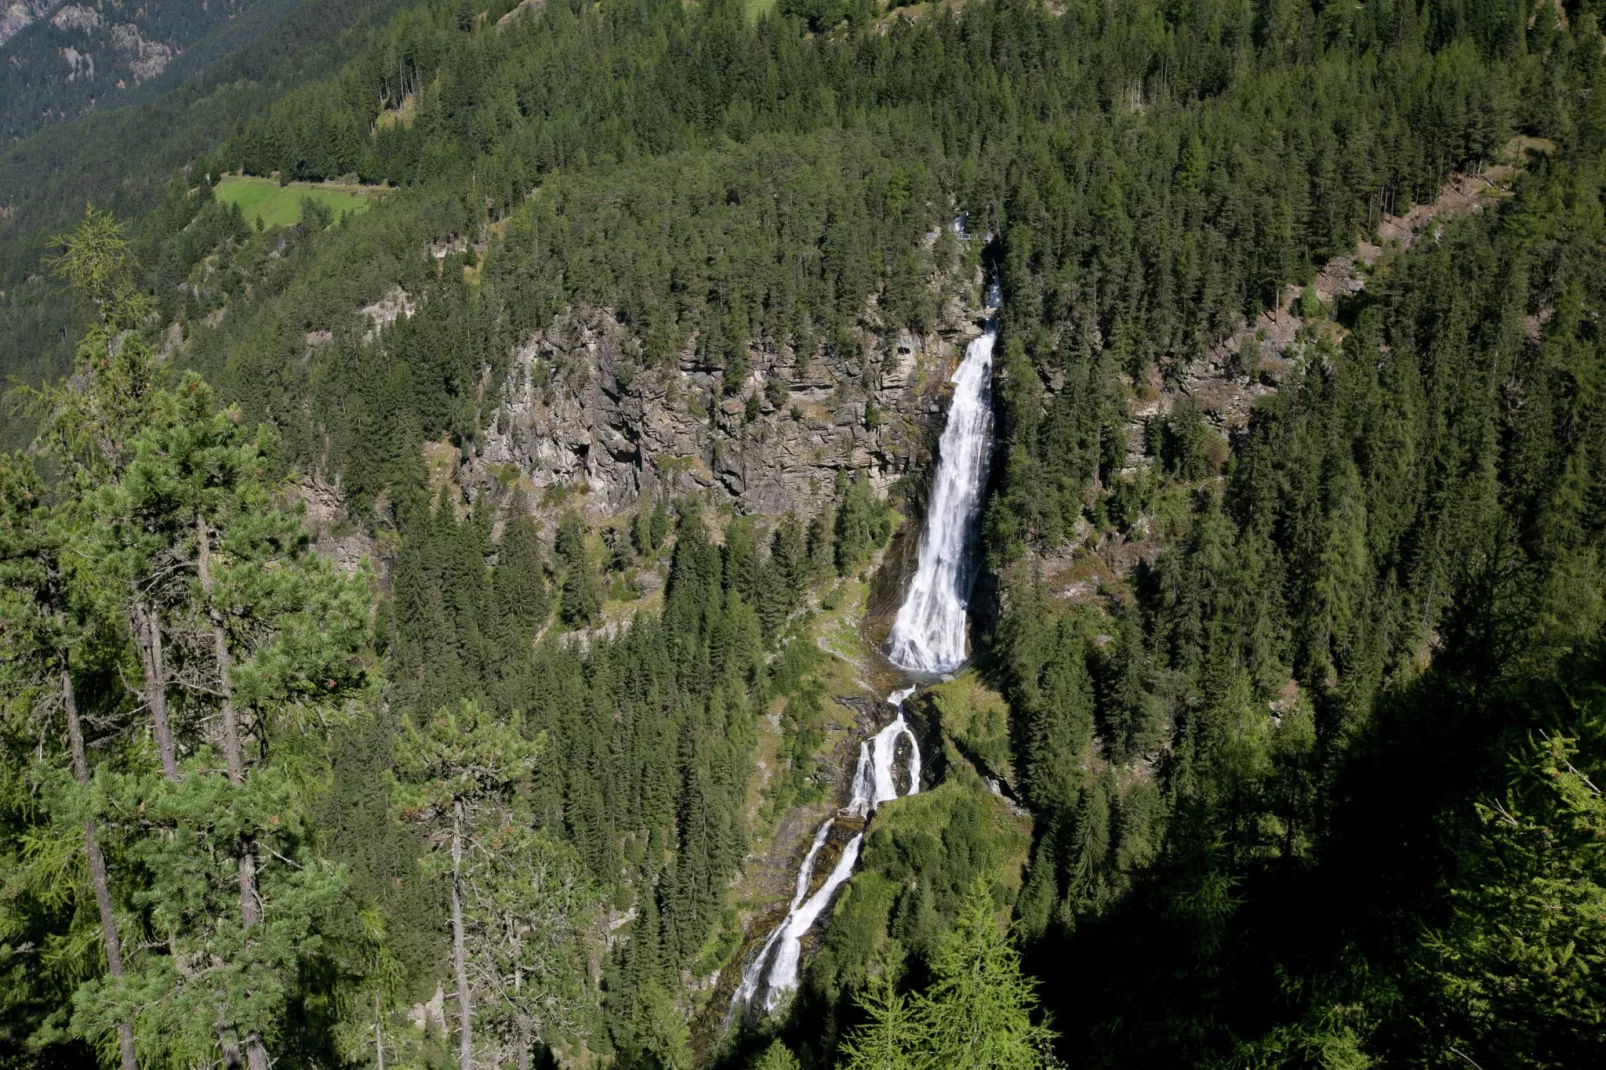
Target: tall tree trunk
(147,627)
(256,1053)
(465,1019)
(379,1037)
(97,866)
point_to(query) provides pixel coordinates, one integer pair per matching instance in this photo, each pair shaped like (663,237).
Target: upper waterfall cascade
(929,633)
(929,636)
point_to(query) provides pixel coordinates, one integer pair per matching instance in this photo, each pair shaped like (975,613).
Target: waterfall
(884,750)
(928,636)
(783,973)
(774,970)
(755,973)
(929,633)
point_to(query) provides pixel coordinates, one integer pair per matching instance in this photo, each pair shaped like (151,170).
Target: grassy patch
(837,628)
(976,718)
(921,855)
(280,206)
(949,836)
(402,115)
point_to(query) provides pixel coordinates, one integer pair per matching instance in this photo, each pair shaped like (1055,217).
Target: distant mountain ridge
(64,60)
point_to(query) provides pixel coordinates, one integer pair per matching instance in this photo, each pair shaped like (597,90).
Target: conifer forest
(803,534)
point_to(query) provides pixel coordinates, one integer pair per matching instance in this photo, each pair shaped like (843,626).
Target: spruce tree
(519,579)
(582,588)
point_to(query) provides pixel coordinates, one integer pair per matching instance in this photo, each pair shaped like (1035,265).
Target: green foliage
(95,261)
(1518,966)
(921,856)
(777,1057)
(662,1039)
(521,908)
(889,1034)
(863,524)
(1310,306)
(1319,669)
(581,601)
(179,535)
(977,1012)
(823,15)
(1369,598)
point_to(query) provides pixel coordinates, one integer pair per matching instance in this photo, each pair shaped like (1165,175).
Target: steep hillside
(123,160)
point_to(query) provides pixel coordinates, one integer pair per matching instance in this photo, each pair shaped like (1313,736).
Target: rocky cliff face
(18,14)
(581,421)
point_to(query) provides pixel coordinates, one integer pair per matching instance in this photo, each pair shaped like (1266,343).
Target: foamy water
(928,636)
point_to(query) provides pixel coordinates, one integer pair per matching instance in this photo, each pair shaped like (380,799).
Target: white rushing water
(884,750)
(755,974)
(929,634)
(774,970)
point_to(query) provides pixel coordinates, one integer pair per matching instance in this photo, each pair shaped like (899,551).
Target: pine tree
(977,1014)
(1058,723)
(272,638)
(527,915)
(790,554)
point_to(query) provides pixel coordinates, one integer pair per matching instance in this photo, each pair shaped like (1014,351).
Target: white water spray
(750,980)
(884,749)
(929,634)
(774,970)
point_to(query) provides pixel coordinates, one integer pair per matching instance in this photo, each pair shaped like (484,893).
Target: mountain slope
(71,59)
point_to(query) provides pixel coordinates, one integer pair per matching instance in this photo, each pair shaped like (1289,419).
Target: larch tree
(53,609)
(977,1014)
(44,621)
(889,1038)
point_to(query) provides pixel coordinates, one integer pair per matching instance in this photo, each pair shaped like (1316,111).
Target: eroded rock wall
(582,421)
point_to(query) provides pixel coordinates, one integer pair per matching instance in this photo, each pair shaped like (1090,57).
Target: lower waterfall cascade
(928,636)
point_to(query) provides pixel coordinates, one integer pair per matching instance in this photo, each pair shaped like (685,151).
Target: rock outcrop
(19,14)
(1253,360)
(580,420)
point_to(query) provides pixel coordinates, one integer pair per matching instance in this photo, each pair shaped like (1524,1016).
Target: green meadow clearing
(280,206)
